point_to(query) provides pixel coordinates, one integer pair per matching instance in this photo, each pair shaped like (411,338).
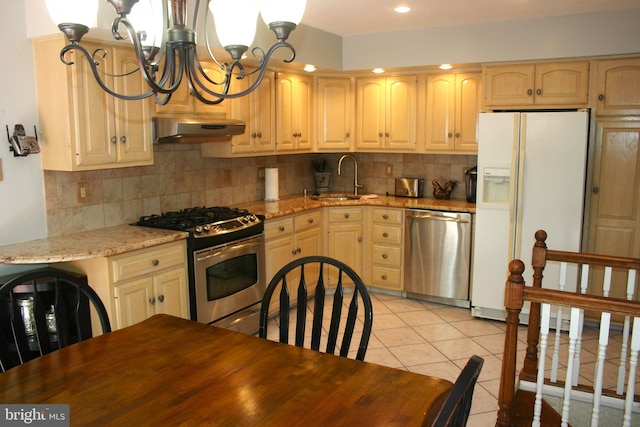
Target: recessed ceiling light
(309,68)
(446,67)
(378,70)
(402,9)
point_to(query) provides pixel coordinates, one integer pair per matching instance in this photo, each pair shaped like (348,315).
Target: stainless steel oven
(225,262)
(230,283)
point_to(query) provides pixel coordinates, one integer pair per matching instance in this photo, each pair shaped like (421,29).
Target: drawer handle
(385,216)
(346,215)
(152,301)
(385,235)
(310,220)
(385,256)
(155,262)
(384,277)
(161,298)
(281,228)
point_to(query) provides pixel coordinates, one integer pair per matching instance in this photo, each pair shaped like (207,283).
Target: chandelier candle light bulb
(165,46)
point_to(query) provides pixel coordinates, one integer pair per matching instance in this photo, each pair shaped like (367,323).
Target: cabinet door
(133,121)
(370,112)
(345,244)
(468,105)
(335,110)
(618,87)
(440,110)
(95,124)
(170,290)
(293,104)
(278,253)
(401,112)
(264,111)
(562,83)
(134,302)
(506,85)
(242,109)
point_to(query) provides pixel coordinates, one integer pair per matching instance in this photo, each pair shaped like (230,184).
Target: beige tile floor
(435,339)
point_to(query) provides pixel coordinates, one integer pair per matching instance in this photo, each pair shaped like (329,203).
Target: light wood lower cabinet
(386,255)
(290,238)
(136,285)
(345,237)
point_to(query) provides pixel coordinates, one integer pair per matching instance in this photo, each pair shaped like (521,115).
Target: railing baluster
(633,364)
(603,341)
(631,284)
(545,315)
(576,315)
(556,345)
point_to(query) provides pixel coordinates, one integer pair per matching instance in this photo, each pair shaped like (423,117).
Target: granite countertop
(296,204)
(124,238)
(87,244)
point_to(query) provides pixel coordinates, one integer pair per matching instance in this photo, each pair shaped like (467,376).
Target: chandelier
(165,46)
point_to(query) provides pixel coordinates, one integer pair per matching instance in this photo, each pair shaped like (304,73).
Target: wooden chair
(61,315)
(321,267)
(456,407)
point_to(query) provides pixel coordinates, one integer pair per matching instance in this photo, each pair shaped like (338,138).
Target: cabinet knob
(538,91)
(310,220)
(114,140)
(529,92)
(385,216)
(253,135)
(259,134)
(359,239)
(346,215)
(152,300)
(155,262)
(457,134)
(595,190)
(449,135)
(347,135)
(385,256)
(385,235)
(161,298)
(281,228)
(601,97)
(380,134)
(384,277)
(123,139)
(298,250)
(386,134)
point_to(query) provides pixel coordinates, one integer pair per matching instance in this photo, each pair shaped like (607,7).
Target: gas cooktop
(202,221)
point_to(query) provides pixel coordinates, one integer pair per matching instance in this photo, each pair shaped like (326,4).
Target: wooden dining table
(167,371)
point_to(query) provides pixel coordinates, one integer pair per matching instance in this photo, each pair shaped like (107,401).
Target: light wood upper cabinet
(453,103)
(258,111)
(537,85)
(334,113)
(183,102)
(82,126)
(293,112)
(386,110)
(618,89)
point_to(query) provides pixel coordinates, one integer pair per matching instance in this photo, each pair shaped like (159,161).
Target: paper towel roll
(271,184)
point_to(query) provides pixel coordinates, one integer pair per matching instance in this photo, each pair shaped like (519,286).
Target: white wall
(22,215)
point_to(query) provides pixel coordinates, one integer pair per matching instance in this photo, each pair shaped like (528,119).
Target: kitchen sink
(335,197)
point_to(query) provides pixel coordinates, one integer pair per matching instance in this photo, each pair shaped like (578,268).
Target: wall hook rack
(20,144)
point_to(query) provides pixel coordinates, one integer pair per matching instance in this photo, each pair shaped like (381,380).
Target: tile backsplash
(181,178)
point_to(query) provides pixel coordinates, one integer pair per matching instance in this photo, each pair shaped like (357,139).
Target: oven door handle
(223,249)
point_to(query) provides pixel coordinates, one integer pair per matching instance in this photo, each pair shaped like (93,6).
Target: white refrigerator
(531,176)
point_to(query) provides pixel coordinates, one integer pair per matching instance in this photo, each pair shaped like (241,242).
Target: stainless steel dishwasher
(438,256)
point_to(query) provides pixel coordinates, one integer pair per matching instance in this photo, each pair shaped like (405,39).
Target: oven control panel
(225,226)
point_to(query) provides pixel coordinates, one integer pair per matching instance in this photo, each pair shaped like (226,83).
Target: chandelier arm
(196,86)
(206,40)
(198,65)
(145,66)
(96,73)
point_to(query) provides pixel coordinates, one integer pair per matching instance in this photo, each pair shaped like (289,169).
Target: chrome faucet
(355,164)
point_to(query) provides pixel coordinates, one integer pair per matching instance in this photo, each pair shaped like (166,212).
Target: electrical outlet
(261,173)
(83,191)
(389,169)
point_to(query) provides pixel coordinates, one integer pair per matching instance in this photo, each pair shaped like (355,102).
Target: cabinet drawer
(390,256)
(306,220)
(147,261)
(353,214)
(389,234)
(388,216)
(386,277)
(276,228)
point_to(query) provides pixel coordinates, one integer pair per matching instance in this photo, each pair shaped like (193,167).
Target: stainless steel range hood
(185,130)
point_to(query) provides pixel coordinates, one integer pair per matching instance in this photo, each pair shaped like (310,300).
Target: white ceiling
(351,17)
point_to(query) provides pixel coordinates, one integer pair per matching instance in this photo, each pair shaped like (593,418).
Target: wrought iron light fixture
(165,46)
